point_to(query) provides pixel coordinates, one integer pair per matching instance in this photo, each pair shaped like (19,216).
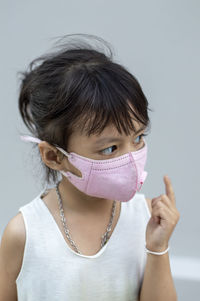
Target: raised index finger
(169,189)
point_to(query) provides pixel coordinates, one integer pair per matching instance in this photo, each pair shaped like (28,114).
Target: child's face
(109,144)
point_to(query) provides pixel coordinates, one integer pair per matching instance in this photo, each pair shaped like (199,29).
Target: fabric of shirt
(51,270)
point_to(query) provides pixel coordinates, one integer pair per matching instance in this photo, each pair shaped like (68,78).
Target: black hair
(79,86)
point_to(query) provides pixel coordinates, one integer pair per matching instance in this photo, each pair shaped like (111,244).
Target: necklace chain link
(104,237)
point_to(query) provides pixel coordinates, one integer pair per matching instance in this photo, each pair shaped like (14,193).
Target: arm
(11,254)
(158,282)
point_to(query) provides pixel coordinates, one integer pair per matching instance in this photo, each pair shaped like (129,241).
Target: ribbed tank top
(51,270)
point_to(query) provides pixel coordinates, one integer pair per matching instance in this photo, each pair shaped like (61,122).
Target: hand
(163,220)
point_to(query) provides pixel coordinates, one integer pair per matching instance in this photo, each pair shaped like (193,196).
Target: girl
(91,236)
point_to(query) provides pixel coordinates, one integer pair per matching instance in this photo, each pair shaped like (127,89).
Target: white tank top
(51,270)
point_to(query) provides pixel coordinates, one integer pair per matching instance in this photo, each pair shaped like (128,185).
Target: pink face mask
(114,179)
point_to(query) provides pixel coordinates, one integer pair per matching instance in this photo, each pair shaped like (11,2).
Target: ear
(149,204)
(50,155)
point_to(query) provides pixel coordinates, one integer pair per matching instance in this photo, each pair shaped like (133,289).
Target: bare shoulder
(12,246)
(149,204)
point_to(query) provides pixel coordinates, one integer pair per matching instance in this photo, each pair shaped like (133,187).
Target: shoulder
(12,246)
(149,204)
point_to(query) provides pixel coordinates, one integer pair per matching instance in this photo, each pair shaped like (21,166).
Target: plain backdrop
(158,41)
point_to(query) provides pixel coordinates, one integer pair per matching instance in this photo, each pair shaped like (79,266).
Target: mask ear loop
(27,138)
(63,151)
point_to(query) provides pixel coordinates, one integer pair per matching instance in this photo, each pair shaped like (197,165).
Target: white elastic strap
(63,151)
(157,253)
(34,139)
(29,138)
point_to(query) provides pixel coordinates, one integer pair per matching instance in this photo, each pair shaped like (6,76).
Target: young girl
(92,236)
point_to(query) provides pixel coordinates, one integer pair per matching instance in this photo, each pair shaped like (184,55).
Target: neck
(76,201)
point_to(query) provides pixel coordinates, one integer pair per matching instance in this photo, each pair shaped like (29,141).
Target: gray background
(158,41)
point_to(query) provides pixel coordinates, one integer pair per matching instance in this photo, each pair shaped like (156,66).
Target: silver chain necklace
(104,237)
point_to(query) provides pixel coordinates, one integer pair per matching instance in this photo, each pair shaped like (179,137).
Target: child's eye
(140,137)
(108,150)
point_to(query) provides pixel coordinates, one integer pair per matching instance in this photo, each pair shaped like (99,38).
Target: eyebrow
(114,139)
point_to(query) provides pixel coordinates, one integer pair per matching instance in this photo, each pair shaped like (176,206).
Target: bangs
(110,98)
